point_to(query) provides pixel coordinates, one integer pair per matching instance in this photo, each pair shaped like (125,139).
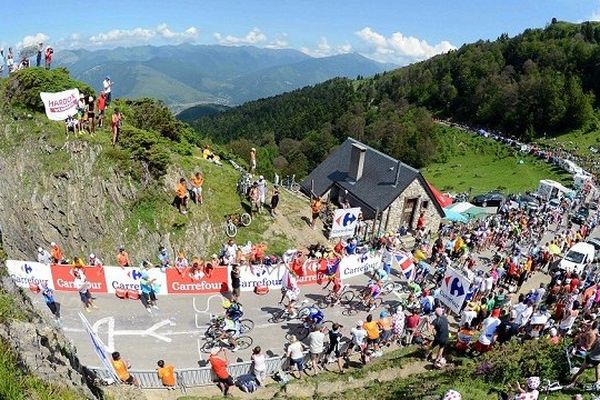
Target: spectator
(148,297)
(166,374)
(254,195)
(48,295)
(315,209)
(107,86)
(197,182)
(333,351)
(372,329)
(101,106)
(83,287)
(385,325)
(182,196)
(296,355)
(181,263)
(259,365)
(48,57)
(38,60)
(121,368)
(252,160)
(94,261)
(115,123)
(235,281)
(56,254)
(218,363)
(359,336)
(316,344)
(43,256)
(488,332)
(71,125)
(274,200)
(91,114)
(163,258)
(262,191)
(440,338)
(10,60)
(123,257)
(230,250)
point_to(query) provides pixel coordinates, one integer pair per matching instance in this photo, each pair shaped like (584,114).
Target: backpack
(247,383)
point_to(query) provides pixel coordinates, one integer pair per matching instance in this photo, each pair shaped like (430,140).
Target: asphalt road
(175,332)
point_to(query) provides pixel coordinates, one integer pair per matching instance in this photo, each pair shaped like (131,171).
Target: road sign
(345,221)
(454,289)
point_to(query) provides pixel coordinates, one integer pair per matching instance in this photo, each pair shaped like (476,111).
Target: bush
(23,87)
(147,147)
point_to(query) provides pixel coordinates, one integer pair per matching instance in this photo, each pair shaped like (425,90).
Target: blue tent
(454,216)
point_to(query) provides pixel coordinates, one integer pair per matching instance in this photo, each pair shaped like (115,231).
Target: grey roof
(376,187)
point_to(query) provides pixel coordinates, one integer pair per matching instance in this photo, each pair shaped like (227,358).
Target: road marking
(205,311)
(198,347)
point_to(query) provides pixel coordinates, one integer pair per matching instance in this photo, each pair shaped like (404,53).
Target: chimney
(398,169)
(357,162)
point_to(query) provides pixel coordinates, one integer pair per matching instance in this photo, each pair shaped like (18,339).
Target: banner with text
(25,273)
(344,222)
(359,264)
(60,105)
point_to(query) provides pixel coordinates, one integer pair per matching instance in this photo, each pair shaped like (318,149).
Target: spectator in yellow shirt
(166,374)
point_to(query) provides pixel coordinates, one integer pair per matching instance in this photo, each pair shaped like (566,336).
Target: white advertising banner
(128,278)
(60,105)
(344,222)
(254,275)
(454,289)
(27,272)
(358,264)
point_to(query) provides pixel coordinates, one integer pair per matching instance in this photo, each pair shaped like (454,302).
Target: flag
(404,263)
(60,105)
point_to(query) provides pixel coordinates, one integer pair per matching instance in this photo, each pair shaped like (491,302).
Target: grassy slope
(483,164)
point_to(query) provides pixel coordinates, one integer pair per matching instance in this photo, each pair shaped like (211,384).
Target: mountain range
(186,75)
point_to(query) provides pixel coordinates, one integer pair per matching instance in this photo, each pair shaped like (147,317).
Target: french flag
(404,263)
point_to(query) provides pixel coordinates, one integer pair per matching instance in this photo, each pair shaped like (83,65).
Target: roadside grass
(479,165)
(578,141)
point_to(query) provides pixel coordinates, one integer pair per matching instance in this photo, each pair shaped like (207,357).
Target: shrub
(23,87)
(147,147)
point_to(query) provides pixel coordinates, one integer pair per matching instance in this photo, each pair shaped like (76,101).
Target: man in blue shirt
(48,295)
(147,289)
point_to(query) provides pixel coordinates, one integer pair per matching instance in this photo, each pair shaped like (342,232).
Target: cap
(40,250)
(52,244)
(92,255)
(260,178)
(121,247)
(496,313)
(214,256)
(253,149)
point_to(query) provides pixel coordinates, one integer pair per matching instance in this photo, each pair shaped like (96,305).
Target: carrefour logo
(27,269)
(134,274)
(454,285)
(346,219)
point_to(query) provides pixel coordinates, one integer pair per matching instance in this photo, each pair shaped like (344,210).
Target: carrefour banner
(60,105)
(25,273)
(359,264)
(344,222)
(454,289)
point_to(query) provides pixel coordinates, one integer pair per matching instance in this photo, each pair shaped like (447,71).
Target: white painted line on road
(110,328)
(205,311)
(198,347)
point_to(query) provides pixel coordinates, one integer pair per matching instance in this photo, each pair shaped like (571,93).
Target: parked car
(596,243)
(528,201)
(578,258)
(492,199)
(580,216)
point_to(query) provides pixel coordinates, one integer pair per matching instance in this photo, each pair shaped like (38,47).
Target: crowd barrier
(107,279)
(197,377)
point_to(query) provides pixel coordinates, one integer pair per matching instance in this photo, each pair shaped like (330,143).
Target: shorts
(197,190)
(315,215)
(292,295)
(236,292)
(149,296)
(70,129)
(227,381)
(372,341)
(90,115)
(335,349)
(85,296)
(386,335)
(591,362)
(298,363)
(482,348)
(438,342)
(101,113)
(129,380)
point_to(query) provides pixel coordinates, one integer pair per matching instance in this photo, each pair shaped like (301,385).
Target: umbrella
(553,249)
(454,216)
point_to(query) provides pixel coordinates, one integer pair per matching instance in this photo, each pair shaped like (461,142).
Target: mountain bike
(232,221)
(289,182)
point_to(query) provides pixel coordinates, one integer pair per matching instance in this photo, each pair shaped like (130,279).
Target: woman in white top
(295,353)
(259,365)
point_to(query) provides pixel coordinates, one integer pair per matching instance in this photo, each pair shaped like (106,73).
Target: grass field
(480,165)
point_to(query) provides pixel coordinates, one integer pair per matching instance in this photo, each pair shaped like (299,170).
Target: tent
(454,216)
(442,199)
(468,210)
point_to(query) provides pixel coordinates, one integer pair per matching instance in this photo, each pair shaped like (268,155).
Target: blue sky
(392,31)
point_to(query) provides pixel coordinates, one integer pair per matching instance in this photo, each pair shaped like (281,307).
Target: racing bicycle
(217,323)
(232,221)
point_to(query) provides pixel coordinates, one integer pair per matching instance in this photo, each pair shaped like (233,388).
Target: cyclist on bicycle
(233,310)
(336,290)
(291,291)
(372,293)
(227,330)
(381,275)
(314,317)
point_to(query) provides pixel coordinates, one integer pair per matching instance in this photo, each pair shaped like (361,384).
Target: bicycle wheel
(378,302)
(323,302)
(230,230)
(301,332)
(243,342)
(245,219)
(303,313)
(327,324)
(295,187)
(387,288)
(278,316)
(246,325)
(208,346)
(347,297)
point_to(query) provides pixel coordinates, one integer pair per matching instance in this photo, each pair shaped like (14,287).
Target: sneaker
(94,306)
(149,310)
(155,307)
(87,309)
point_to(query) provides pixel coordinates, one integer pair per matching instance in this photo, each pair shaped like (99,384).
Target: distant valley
(187,75)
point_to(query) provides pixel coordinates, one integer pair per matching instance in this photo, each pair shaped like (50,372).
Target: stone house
(390,193)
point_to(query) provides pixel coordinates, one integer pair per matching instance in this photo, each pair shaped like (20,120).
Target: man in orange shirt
(123,258)
(218,363)
(166,374)
(197,181)
(315,209)
(56,253)
(121,368)
(372,329)
(181,199)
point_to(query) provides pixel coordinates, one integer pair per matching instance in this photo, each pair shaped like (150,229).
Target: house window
(425,204)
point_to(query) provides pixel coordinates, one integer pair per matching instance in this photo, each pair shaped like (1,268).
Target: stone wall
(414,190)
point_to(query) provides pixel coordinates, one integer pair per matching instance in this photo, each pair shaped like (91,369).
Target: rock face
(42,350)
(71,193)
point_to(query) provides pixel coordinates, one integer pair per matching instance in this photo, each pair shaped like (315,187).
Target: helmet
(40,250)
(226,304)
(92,255)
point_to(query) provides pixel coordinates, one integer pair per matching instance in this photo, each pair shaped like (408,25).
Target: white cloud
(324,49)
(33,40)
(399,49)
(279,43)
(143,35)
(255,36)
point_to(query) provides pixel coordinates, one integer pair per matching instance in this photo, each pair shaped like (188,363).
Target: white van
(578,258)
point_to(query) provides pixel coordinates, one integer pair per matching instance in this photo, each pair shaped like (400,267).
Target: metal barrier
(195,377)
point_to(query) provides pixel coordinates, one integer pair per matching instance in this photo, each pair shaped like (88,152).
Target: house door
(408,212)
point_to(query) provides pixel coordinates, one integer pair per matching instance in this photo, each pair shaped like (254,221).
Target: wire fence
(194,377)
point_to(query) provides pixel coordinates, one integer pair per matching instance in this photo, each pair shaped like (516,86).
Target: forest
(541,82)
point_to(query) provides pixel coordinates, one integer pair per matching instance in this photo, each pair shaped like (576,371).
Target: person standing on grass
(252,160)
(333,351)
(38,59)
(218,362)
(440,338)
(295,352)
(91,105)
(107,86)
(315,209)
(48,56)
(182,195)
(115,124)
(101,105)
(123,258)
(274,200)
(316,343)
(197,182)
(166,374)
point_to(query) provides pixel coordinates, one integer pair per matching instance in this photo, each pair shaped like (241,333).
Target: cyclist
(336,290)
(233,310)
(227,330)
(314,317)
(372,293)
(291,291)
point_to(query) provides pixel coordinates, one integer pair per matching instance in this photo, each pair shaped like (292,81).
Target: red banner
(184,284)
(63,278)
